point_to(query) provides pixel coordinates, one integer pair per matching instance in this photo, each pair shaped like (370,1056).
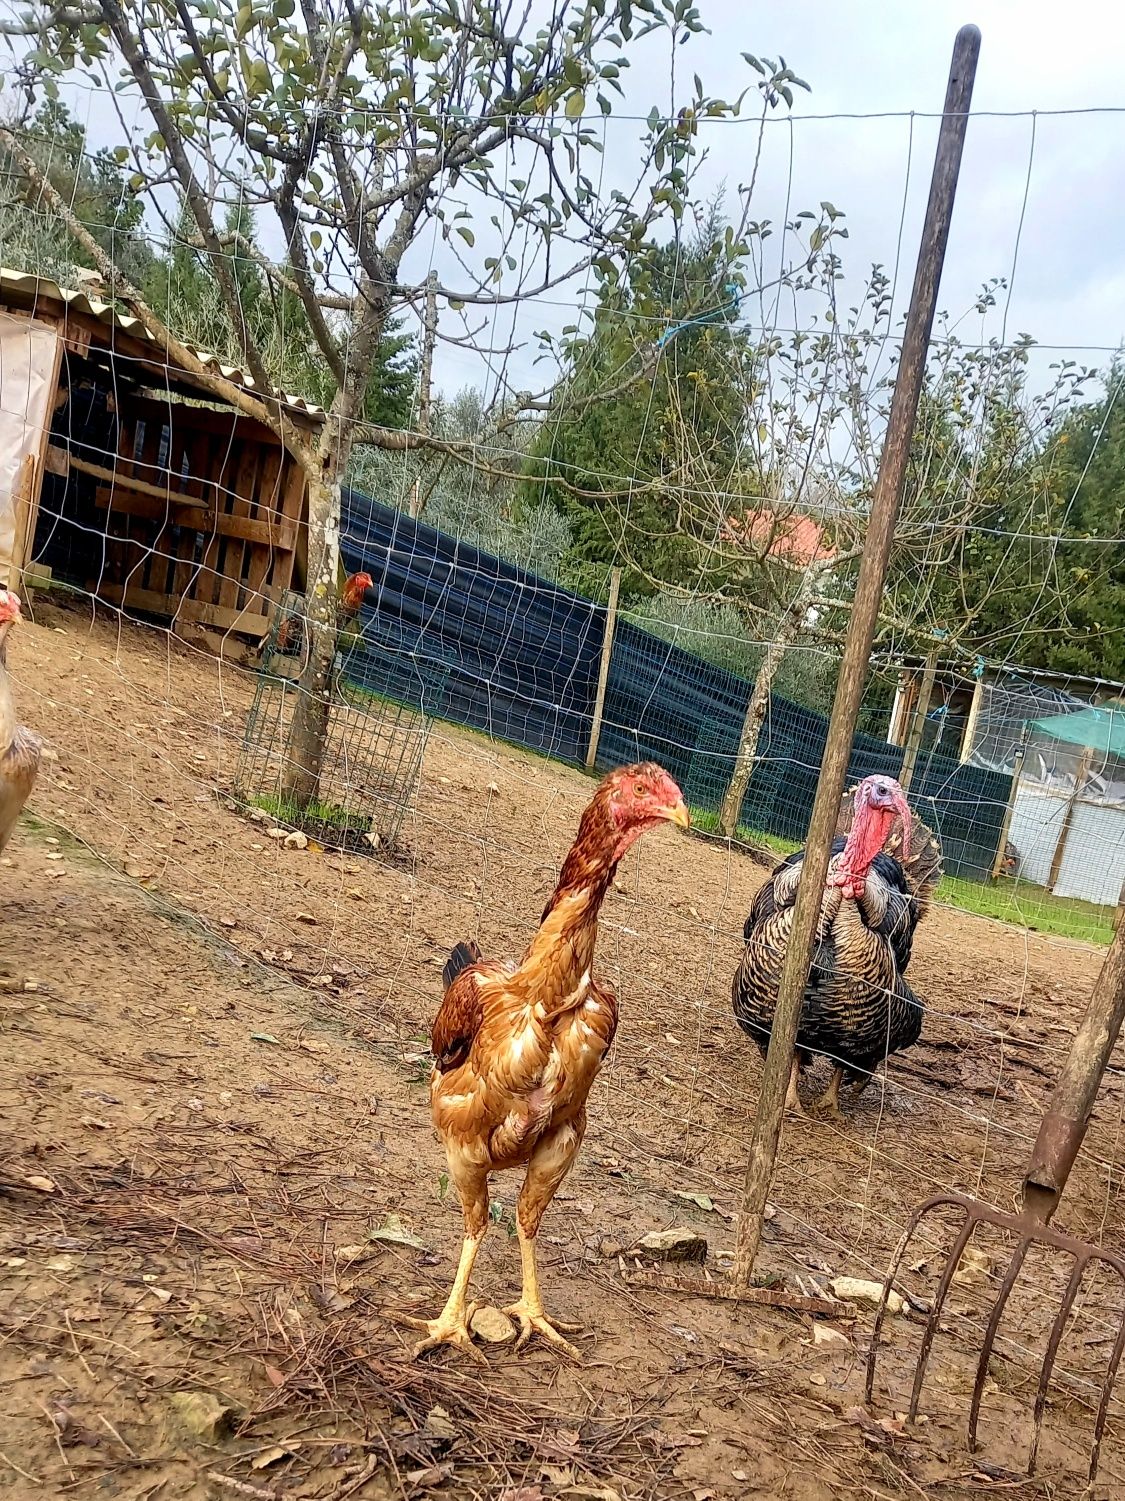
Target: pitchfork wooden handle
(1068,1114)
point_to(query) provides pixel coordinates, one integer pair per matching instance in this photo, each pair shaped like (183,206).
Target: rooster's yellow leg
(548,1167)
(829,1102)
(451,1327)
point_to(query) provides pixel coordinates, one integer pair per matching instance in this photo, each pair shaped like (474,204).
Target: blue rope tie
(714,316)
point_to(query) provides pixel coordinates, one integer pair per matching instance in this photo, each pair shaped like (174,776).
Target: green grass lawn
(1028,906)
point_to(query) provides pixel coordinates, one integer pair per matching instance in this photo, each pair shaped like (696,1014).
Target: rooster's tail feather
(462,956)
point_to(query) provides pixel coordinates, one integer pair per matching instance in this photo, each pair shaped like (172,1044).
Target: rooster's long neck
(563,948)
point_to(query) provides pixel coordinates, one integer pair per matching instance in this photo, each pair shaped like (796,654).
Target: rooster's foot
(446,1329)
(535,1321)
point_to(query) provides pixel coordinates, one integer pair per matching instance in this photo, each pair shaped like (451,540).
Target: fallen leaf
(395,1232)
(264,1037)
(94,1122)
(270,1457)
(306,917)
(704,1201)
(60,1264)
(274,1376)
(41,1184)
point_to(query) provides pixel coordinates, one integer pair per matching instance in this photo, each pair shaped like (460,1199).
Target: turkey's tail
(921,863)
(462,956)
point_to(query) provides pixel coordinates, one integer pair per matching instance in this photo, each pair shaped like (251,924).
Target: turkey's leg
(451,1327)
(549,1165)
(792,1098)
(829,1102)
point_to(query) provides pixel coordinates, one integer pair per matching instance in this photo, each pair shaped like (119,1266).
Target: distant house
(791,536)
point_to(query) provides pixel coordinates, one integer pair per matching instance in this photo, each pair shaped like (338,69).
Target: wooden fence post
(603,669)
(918,722)
(857,651)
(1006,821)
(1068,815)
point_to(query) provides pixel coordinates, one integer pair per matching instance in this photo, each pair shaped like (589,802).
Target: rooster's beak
(678,814)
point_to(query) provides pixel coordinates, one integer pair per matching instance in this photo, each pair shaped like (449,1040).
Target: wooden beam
(971,723)
(152,602)
(856,657)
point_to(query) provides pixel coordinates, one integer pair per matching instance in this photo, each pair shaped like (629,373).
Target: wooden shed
(122,476)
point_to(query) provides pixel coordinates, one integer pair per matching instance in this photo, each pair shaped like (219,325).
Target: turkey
(857,1009)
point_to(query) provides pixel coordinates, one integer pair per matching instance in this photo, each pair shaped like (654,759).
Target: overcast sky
(871,56)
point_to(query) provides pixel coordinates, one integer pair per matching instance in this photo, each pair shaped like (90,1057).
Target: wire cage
(373,751)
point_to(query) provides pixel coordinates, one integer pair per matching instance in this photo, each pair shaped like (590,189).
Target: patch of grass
(706,820)
(1027,906)
(327,815)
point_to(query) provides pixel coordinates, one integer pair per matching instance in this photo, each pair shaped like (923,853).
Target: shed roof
(40,290)
(1101,729)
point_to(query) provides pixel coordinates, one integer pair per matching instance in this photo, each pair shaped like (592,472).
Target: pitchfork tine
(1107,1388)
(1014,1267)
(935,1312)
(1048,1366)
(880,1312)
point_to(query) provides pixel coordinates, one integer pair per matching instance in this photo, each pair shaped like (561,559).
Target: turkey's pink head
(878,801)
(640,797)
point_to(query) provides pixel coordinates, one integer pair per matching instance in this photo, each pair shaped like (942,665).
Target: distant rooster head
(10,613)
(359,582)
(637,798)
(878,801)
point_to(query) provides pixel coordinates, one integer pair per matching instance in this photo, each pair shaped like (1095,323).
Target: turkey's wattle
(878,801)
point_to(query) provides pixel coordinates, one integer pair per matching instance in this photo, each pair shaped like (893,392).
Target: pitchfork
(1057,1145)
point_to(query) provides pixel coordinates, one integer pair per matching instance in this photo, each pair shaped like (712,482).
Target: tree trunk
(308,729)
(789,628)
(918,723)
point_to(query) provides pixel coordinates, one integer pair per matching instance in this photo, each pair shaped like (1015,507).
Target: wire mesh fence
(158,510)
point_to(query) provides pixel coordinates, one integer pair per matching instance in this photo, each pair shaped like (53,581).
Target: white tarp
(27,376)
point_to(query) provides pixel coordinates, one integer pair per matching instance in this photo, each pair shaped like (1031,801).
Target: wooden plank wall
(203,513)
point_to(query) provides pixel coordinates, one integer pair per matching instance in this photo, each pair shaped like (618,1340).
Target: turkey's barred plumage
(858,1008)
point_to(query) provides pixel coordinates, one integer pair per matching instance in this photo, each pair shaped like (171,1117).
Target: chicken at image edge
(857,1008)
(516,1049)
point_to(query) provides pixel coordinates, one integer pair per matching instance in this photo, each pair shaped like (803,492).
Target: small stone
(275,833)
(855,1290)
(493,1326)
(673,1245)
(834,1339)
(296,841)
(202,1414)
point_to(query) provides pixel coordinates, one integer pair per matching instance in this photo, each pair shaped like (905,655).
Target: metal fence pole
(857,649)
(603,669)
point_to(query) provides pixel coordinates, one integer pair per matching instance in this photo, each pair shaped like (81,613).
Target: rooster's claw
(535,1321)
(443,1330)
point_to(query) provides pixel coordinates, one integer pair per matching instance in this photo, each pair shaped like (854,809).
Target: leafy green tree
(93,184)
(361,129)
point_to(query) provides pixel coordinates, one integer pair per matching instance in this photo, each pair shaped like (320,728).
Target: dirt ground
(212,1085)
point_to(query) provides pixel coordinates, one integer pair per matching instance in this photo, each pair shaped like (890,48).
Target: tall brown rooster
(857,1008)
(20,748)
(516,1049)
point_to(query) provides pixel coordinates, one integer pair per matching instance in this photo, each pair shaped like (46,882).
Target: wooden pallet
(203,516)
